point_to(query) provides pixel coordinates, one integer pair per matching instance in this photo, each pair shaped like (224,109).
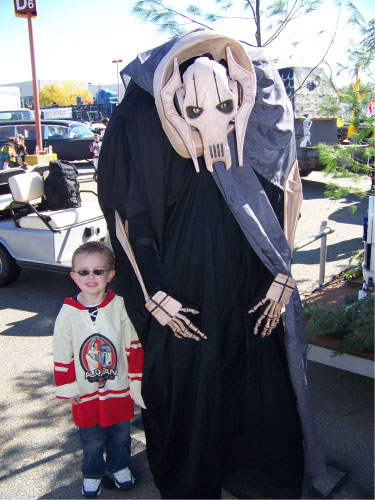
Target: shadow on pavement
(315,189)
(346,216)
(42,301)
(341,250)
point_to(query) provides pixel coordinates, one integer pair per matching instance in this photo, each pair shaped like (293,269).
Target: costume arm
(146,252)
(281,289)
(166,309)
(63,359)
(292,203)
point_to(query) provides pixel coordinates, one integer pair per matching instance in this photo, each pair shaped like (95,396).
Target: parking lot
(40,455)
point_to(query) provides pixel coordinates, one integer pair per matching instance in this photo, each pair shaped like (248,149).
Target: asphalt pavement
(39,448)
(344,216)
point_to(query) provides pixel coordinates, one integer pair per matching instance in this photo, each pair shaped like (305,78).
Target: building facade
(26,88)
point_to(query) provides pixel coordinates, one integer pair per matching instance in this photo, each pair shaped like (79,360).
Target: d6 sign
(23,8)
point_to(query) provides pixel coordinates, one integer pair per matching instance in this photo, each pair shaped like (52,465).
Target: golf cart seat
(9,172)
(28,190)
(5,200)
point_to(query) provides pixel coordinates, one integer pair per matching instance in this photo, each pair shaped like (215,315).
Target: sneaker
(124,479)
(91,488)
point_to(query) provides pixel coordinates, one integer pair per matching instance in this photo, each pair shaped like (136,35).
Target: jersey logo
(98,358)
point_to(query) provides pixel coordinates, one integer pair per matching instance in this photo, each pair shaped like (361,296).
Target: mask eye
(225,106)
(193,111)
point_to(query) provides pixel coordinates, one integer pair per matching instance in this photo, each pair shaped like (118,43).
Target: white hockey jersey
(102,362)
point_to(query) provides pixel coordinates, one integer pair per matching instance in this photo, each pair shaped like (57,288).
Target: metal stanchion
(324,231)
(323,254)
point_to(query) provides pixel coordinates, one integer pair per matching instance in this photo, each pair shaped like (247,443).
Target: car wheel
(9,270)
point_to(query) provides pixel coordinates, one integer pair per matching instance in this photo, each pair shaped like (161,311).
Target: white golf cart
(42,239)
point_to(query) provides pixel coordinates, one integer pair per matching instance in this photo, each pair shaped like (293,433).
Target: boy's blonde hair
(96,247)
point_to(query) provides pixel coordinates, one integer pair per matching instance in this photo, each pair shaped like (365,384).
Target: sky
(79,39)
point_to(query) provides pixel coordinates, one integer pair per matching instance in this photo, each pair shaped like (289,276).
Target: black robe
(220,412)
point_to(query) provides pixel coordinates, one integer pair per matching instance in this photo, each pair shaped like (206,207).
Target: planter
(324,348)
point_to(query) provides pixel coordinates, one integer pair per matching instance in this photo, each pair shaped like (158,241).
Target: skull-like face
(208,108)
(208,105)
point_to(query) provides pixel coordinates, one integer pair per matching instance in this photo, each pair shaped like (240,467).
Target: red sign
(23,8)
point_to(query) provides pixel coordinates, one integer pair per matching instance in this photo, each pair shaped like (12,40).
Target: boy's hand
(75,400)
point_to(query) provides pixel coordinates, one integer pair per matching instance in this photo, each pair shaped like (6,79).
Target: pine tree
(355,156)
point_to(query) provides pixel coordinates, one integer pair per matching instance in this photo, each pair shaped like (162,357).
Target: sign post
(27,8)
(118,82)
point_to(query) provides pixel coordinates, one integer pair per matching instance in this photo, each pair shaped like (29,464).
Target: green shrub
(352,323)
(355,270)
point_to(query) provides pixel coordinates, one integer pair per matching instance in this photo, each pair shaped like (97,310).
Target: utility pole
(118,80)
(27,8)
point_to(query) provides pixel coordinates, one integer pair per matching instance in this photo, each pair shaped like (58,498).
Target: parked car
(97,128)
(70,140)
(16,114)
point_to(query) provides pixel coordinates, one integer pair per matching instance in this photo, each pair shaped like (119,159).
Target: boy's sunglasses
(97,272)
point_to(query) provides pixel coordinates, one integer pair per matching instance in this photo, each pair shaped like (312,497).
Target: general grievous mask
(199,111)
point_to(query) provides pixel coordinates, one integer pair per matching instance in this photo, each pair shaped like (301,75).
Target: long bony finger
(181,328)
(260,319)
(253,309)
(190,325)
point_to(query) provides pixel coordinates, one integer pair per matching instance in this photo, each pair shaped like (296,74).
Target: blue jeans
(114,440)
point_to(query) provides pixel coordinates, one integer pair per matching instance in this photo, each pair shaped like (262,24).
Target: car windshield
(6,132)
(28,131)
(18,114)
(79,130)
(57,132)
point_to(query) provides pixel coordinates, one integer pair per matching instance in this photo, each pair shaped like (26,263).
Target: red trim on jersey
(105,393)
(109,412)
(110,296)
(135,360)
(65,377)
(63,365)
(74,303)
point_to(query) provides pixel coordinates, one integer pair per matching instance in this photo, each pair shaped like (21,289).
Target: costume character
(210,243)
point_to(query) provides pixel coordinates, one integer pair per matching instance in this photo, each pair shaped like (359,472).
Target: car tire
(9,269)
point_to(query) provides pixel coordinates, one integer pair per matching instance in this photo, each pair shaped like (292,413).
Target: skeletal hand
(183,327)
(168,311)
(278,295)
(270,315)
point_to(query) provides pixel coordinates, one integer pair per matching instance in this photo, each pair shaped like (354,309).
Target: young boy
(95,147)
(98,363)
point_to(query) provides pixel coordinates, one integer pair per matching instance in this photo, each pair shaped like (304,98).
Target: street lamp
(118,82)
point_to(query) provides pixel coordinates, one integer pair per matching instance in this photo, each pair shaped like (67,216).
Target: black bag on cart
(61,187)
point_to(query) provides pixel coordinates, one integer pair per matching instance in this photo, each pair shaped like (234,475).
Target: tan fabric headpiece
(208,98)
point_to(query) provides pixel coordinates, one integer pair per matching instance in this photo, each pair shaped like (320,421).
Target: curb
(346,362)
